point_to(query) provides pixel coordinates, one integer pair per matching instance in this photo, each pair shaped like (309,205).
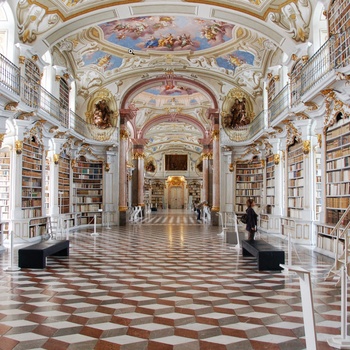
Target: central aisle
(176,285)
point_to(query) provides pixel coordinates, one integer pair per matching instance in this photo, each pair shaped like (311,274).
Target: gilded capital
(124,135)
(216,134)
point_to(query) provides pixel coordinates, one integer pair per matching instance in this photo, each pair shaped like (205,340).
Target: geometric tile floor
(166,283)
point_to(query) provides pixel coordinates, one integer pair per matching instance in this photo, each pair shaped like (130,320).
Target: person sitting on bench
(252,219)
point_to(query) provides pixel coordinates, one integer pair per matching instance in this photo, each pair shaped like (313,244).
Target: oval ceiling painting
(167,33)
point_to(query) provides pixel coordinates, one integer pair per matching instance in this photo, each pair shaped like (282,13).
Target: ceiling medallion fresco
(167,33)
(235,59)
(102,60)
(175,90)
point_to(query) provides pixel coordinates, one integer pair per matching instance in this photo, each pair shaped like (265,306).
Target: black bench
(268,256)
(34,256)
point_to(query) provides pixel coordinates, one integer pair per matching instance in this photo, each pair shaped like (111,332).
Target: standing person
(252,219)
(198,207)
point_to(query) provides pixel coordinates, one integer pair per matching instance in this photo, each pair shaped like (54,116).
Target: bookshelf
(249,181)
(157,194)
(32,183)
(5,185)
(47,186)
(64,183)
(295,197)
(37,227)
(194,190)
(339,16)
(318,186)
(88,190)
(337,171)
(270,183)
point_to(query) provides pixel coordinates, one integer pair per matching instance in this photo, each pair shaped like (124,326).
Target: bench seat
(268,256)
(34,256)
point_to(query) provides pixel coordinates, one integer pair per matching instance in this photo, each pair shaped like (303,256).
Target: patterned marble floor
(166,283)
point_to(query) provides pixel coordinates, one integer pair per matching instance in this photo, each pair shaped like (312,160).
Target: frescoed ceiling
(118,44)
(167,33)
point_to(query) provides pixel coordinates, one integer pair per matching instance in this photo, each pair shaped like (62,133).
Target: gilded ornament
(306,146)
(56,158)
(305,58)
(311,106)
(57,78)
(216,134)
(21,59)
(2,136)
(11,106)
(35,58)
(294,57)
(19,147)
(231,168)
(276,78)
(124,135)
(107,167)
(319,140)
(276,158)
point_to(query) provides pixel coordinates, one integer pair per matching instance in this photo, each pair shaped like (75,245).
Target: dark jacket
(252,219)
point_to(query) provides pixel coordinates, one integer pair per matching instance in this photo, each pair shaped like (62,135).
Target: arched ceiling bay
(116,44)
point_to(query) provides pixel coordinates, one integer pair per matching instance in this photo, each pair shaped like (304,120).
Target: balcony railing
(279,104)
(257,124)
(9,75)
(78,124)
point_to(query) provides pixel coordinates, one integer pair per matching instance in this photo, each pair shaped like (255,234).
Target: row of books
(338,164)
(296,202)
(338,176)
(296,191)
(339,189)
(249,171)
(249,178)
(337,202)
(248,185)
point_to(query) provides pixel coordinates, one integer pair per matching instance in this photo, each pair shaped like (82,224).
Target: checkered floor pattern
(165,283)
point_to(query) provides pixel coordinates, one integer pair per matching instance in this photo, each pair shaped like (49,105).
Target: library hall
(174,175)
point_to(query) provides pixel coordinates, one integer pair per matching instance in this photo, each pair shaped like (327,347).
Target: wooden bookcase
(64,183)
(194,190)
(47,186)
(318,186)
(295,183)
(249,181)
(4,185)
(88,190)
(337,171)
(270,182)
(337,183)
(157,194)
(32,182)
(339,16)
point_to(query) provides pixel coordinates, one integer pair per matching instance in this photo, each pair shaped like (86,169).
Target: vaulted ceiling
(172,60)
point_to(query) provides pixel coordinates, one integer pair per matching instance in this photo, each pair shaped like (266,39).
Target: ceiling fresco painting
(102,60)
(176,90)
(235,59)
(167,33)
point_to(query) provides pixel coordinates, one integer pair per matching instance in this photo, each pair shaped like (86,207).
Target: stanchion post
(342,342)
(95,232)
(12,268)
(307,305)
